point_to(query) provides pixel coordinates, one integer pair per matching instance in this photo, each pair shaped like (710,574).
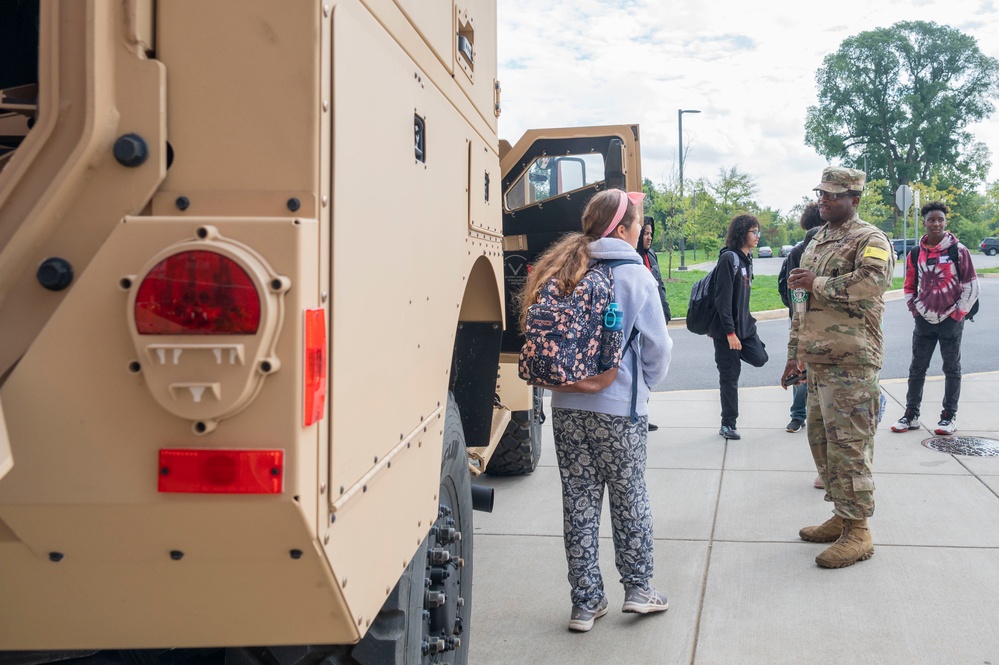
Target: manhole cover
(974,446)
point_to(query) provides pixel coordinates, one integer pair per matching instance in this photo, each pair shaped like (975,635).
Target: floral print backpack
(565,335)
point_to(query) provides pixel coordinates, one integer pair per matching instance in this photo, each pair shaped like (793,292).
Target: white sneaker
(947,424)
(906,422)
(643,601)
(582,618)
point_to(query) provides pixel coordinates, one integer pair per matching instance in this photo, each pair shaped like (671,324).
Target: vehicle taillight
(315,365)
(204,471)
(197,293)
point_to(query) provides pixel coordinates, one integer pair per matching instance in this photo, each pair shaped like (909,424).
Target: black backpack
(701,306)
(954,253)
(785,295)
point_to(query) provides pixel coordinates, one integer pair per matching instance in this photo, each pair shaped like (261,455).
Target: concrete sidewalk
(743,588)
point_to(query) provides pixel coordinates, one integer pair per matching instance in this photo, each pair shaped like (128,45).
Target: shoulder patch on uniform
(876,252)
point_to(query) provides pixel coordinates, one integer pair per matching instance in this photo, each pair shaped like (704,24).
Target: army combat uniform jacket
(842,323)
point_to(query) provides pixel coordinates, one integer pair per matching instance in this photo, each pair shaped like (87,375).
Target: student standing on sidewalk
(810,221)
(651,262)
(939,293)
(597,444)
(845,269)
(733,331)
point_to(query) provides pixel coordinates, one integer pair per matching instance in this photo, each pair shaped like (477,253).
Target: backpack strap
(613,263)
(912,258)
(955,258)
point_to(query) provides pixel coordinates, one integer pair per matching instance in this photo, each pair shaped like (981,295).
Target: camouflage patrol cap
(838,179)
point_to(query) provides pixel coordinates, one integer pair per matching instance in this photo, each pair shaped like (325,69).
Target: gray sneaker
(729,432)
(582,618)
(643,601)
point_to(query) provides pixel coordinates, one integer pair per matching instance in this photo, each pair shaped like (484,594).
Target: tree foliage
(903,97)
(702,215)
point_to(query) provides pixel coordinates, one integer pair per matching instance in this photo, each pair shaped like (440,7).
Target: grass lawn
(765,295)
(987,270)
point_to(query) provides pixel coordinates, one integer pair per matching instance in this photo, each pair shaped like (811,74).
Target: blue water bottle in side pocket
(611,337)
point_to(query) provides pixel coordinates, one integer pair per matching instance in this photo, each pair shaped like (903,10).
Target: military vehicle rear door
(547,179)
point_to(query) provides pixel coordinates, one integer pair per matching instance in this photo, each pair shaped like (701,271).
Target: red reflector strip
(314,392)
(203,471)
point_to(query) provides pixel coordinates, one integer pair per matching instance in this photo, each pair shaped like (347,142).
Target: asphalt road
(693,366)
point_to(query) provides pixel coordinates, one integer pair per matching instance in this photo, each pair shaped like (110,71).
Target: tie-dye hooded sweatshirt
(943,290)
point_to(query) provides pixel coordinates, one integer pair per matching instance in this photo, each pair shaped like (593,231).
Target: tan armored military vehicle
(256,268)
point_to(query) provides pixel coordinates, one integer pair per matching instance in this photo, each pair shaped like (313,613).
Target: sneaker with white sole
(947,424)
(643,601)
(582,618)
(907,422)
(795,425)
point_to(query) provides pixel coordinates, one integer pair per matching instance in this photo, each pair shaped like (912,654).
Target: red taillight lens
(203,471)
(315,365)
(197,293)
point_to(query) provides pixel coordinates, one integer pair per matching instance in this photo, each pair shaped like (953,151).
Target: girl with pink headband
(598,445)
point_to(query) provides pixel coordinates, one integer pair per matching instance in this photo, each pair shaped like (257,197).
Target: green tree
(990,206)
(702,223)
(903,97)
(877,206)
(733,190)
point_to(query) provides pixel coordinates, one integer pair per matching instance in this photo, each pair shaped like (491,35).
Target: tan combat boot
(826,532)
(854,545)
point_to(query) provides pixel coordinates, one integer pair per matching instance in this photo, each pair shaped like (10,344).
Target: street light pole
(679,123)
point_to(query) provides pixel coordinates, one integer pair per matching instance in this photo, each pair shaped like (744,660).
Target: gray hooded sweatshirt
(636,292)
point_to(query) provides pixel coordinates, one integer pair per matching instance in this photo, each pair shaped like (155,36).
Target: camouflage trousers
(841,423)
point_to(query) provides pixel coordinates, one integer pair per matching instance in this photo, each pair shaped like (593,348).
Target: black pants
(729,364)
(924,339)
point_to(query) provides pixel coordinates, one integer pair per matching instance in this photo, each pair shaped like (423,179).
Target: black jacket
(733,283)
(654,268)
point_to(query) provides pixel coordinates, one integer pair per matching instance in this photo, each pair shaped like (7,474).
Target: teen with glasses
(733,331)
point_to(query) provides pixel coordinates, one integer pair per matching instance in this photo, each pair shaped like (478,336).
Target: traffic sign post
(903,199)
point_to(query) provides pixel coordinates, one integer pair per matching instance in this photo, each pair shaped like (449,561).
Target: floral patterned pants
(594,451)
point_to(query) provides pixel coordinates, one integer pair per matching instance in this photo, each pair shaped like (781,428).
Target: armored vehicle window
(548,177)
(18,73)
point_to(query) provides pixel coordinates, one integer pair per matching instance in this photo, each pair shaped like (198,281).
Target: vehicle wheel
(519,450)
(993,251)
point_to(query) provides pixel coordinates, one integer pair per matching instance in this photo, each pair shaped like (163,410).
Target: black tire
(993,251)
(519,450)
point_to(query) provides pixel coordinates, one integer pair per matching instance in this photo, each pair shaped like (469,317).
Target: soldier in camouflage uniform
(846,269)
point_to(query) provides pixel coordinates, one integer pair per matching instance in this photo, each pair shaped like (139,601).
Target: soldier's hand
(791,368)
(799,278)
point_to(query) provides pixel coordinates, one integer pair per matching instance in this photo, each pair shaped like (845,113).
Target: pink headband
(636,198)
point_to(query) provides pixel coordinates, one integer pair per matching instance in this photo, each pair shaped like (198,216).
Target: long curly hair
(738,230)
(568,259)
(810,217)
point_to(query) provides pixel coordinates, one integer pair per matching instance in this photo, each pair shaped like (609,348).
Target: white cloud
(749,68)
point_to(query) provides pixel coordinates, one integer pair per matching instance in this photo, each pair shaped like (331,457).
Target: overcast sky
(748,67)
